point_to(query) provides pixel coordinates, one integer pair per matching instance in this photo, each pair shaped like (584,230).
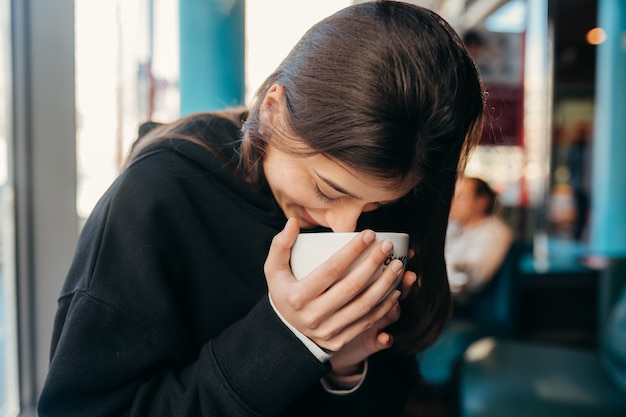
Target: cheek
(305,198)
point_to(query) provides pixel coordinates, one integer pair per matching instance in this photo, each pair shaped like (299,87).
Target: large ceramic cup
(313,249)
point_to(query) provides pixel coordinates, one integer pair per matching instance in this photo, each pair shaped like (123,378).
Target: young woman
(180,300)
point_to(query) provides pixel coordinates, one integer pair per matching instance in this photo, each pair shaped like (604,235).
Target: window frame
(43,169)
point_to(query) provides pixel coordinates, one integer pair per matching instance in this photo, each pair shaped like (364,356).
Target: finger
(382,286)
(353,289)
(393,313)
(384,340)
(277,262)
(328,273)
(378,318)
(359,278)
(408,281)
(389,313)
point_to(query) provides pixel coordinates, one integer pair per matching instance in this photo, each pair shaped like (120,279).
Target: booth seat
(492,312)
(514,378)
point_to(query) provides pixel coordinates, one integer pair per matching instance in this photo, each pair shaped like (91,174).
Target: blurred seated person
(477,240)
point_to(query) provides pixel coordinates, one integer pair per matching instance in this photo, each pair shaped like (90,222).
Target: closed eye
(324,197)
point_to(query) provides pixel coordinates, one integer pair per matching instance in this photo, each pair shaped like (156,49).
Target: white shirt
(474,253)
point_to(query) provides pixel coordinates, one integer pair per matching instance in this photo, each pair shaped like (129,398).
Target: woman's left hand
(343,315)
(348,360)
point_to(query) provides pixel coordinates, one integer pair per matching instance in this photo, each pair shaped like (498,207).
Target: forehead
(465,186)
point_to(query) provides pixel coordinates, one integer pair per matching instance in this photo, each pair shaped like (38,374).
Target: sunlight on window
(127,72)
(273,27)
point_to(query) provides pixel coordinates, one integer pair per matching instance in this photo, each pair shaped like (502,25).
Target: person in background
(477,240)
(578,162)
(180,300)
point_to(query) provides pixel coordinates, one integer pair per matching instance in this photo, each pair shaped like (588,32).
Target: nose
(343,219)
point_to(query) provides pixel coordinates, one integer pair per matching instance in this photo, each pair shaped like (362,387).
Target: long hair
(388,89)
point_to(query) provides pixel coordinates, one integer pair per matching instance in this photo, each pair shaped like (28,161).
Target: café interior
(549,338)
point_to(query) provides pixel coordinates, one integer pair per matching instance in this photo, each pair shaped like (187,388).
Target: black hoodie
(165,312)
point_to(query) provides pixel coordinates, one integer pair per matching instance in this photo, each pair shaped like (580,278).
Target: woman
(180,300)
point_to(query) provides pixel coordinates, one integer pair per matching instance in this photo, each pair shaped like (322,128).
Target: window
(126,73)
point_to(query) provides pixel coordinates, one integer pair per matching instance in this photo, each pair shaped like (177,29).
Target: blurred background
(77,77)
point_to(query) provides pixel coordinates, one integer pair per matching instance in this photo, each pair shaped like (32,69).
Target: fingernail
(395,295)
(369,237)
(396,266)
(386,247)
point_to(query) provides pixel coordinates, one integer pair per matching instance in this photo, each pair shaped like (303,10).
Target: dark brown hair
(389,89)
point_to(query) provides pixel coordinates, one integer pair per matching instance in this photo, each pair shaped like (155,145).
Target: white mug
(312,249)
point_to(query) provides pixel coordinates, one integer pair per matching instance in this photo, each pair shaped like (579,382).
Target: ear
(272,104)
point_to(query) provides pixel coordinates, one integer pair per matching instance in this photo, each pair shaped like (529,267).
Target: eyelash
(332,200)
(324,197)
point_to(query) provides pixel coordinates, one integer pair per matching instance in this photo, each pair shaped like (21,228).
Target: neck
(473,221)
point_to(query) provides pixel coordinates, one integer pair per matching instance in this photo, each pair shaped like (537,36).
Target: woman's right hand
(334,312)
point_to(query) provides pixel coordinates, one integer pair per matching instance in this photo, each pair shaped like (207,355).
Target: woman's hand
(347,361)
(341,315)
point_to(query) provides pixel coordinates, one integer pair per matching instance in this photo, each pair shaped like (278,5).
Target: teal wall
(608,202)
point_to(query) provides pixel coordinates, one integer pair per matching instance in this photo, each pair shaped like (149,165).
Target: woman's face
(319,191)
(316,190)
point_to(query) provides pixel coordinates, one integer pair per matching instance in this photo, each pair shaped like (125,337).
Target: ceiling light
(596,36)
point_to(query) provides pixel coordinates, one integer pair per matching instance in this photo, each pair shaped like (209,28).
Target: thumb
(280,249)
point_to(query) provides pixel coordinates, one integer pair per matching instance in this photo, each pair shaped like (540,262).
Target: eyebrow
(342,190)
(337,187)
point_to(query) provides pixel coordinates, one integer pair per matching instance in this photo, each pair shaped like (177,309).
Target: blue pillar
(608,200)
(211,54)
